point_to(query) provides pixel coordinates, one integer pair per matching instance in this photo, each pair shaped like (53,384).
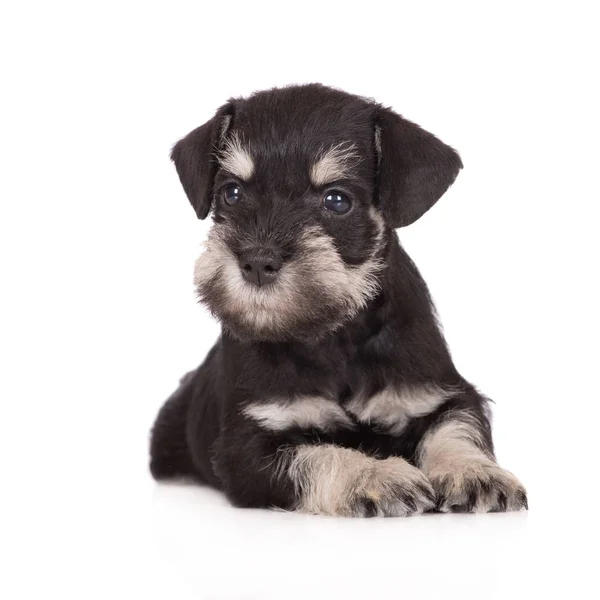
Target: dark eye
(337,202)
(232,194)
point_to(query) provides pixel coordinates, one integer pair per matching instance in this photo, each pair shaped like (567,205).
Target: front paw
(330,480)
(478,486)
(393,489)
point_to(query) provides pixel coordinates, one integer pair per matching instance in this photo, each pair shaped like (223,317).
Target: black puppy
(331,389)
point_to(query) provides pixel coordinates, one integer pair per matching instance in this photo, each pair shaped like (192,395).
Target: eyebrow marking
(236,158)
(335,163)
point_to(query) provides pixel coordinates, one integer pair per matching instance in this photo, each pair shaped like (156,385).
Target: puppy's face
(295,179)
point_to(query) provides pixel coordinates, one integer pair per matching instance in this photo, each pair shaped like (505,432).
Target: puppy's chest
(388,412)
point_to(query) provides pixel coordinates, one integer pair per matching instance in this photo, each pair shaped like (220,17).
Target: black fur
(394,340)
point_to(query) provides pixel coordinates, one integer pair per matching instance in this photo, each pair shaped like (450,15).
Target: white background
(99,318)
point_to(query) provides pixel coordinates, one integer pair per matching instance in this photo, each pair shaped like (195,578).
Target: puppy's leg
(457,457)
(169,455)
(263,470)
(340,481)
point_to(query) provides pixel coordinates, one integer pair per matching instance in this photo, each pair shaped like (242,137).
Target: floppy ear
(195,158)
(415,168)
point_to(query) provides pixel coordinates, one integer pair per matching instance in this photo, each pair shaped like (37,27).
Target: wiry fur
(334,164)
(455,458)
(234,156)
(331,389)
(286,310)
(343,482)
(391,409)
(301,413)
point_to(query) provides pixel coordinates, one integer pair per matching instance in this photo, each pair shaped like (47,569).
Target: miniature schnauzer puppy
(331,389)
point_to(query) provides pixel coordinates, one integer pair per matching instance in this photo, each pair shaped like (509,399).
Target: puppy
(331,389)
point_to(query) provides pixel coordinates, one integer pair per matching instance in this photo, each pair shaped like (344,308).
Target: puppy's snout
(260,267)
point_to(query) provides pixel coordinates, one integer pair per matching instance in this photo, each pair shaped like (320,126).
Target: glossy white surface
(97,244)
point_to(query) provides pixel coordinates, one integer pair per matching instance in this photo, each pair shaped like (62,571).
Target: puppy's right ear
(196,161)
(415,168)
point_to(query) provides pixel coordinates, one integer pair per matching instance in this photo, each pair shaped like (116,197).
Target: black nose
(259,267)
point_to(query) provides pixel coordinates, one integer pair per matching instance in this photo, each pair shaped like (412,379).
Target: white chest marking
(305,412)
(392,408)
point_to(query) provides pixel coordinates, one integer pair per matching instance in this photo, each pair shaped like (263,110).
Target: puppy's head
(305,184)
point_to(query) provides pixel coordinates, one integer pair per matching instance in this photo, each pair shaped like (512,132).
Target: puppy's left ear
(195,158)
(415,168)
